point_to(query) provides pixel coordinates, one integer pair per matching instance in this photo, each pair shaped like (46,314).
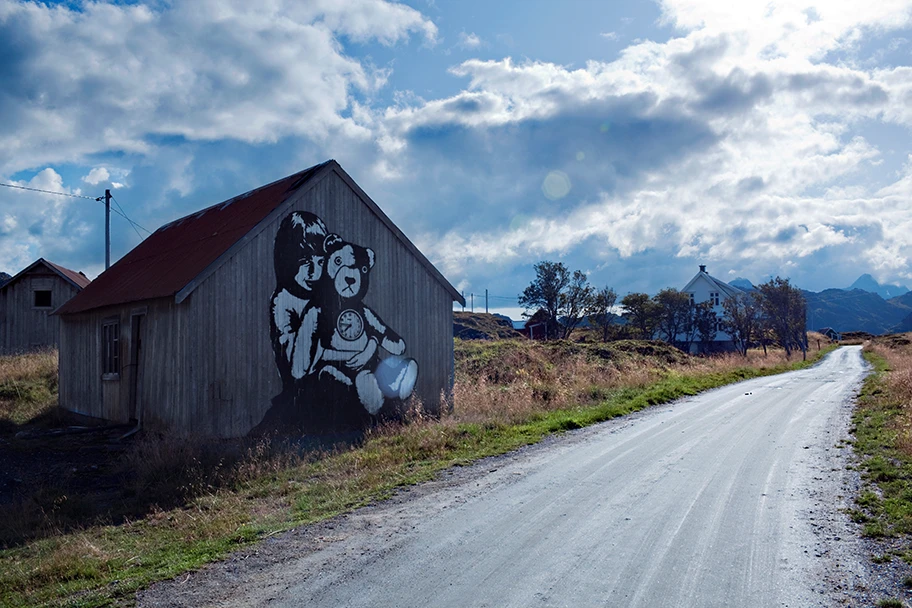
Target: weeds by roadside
(883,441)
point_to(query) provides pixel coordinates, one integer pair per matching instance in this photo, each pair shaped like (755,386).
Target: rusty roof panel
(79,279)
(179,251)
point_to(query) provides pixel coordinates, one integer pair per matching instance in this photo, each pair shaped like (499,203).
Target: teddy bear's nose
(350,280)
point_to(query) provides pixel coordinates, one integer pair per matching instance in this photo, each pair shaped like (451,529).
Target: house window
(42,298)
(692,302)
(110,348)
(714,297)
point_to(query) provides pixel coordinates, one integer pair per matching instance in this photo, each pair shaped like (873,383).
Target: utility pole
(107,229)
(486,301)
(473,301)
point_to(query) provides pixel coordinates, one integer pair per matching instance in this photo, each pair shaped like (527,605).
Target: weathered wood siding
(23,327)
(208,366)
(232,365)
(83,387)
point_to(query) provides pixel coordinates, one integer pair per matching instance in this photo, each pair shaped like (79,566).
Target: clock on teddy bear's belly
(350,325)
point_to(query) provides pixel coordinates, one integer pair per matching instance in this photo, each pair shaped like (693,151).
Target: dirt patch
(56,477)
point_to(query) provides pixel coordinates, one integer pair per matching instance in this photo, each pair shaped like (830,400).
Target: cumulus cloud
(36,224)
(738,141)
(469,41)
(724,143)
(191,69)
(96,176)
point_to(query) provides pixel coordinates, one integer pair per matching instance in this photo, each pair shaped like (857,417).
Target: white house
(702,288)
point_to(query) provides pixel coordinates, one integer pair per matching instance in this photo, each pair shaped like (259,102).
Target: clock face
(350,325)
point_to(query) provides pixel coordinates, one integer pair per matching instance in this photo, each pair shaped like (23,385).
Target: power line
(91,198)
(119,211)
(133,224)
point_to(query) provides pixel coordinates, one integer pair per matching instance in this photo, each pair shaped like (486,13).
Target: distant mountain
(742,284)
(4,278)
(904,325)
(903,300)
(855,310)
(867,283)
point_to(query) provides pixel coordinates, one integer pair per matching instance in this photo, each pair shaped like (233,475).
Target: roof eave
(50,266)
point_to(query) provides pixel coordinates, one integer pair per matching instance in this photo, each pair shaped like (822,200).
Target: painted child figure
(299,258)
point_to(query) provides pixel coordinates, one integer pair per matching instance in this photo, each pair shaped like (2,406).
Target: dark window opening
(42,298)
(110,347)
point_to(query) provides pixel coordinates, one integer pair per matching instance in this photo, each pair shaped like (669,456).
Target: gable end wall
(231,371)
(23,327)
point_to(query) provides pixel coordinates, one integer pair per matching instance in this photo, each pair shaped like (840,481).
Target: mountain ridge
(867,283)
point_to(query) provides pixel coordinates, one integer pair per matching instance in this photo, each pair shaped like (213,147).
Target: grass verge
(541,390)
(883,441)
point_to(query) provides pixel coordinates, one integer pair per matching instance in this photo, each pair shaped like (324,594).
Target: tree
(742,320)
(575,302)
(551,279)
(705,322)
(674,313)
(785,310)
(561,295)
(641,312)
(600,313)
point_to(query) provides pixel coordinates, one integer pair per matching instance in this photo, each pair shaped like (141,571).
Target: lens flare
(556,185)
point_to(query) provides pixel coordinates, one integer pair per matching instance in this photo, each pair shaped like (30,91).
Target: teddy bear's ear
(331,241)
(370,257)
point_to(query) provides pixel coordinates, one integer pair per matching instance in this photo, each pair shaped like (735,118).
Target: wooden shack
(298,304)
(27,301)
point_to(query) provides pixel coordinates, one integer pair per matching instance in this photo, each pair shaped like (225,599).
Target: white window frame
(110,348)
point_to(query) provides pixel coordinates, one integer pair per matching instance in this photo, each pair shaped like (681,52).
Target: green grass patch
(106,564)
(885,503)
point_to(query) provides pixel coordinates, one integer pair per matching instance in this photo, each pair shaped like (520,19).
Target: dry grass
(883,442)
(897,352)
(509,381)
(28,386)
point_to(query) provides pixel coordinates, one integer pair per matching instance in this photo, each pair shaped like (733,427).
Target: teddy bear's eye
(364,270)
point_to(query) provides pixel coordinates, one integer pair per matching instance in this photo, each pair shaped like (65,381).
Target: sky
(630,140)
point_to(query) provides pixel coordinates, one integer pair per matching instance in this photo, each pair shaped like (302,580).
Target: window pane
(43,298)
(110,348)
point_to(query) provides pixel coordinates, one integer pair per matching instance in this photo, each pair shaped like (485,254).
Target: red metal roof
(178,252)
(78,278)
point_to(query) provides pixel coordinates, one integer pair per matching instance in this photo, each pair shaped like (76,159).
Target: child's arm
(306,349)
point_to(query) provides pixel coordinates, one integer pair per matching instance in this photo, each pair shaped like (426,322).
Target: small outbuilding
(538,325)
(298,305)
(27,301)
(830,333)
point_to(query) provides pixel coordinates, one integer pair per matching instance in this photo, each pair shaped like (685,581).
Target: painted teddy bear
(351,335)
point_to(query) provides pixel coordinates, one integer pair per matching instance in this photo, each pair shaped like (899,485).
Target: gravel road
(731,498)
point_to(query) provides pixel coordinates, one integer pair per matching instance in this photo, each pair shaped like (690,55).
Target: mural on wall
(339,363)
